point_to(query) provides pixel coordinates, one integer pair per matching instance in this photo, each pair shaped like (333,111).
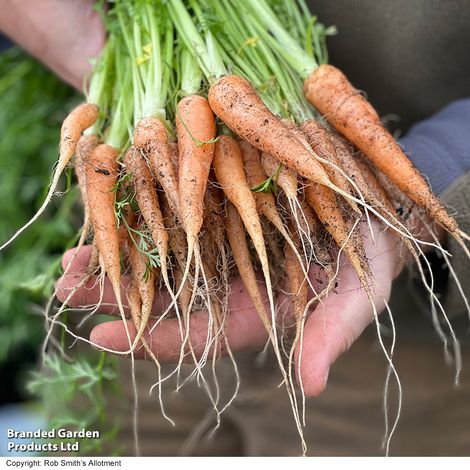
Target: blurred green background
(33,104)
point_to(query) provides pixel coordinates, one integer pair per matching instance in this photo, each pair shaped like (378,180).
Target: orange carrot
(147,200)
(228,166)
(286,178)
(143,277)
(195,126)
(255,176)
(328,89)
(298,290)
(241,254)
(101,178)
(174,156)
(79,119)
(325,204)
(264,201)
(274,244)
(85,146)
(213,216)
(235,101)
(319,139)
(151,137)
(320,237)
(177,237)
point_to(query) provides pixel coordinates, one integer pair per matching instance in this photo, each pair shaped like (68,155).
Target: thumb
(340,319)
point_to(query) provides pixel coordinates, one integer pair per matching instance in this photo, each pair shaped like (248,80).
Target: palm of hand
(330,330)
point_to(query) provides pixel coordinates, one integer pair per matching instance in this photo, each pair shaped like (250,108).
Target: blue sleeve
(4,43)
(440,146)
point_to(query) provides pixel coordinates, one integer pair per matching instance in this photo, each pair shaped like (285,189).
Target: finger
(244,331)
(340,319)
(95,291)
(76,260)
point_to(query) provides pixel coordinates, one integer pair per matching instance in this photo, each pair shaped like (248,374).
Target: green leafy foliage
(269,185)
(86,383)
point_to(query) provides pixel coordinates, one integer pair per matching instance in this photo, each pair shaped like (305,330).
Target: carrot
(312,226)
(241,254)
(328,89)
(79,119)
(151,137)
(228,167)
(319,139)
(213,216)
(324,203)
(85,145)
(177,237)
(147,200)
(195,126)
(286,178)
(143,277)
(101,179)
(298,290)
(174,156)
(264,201)
(255,176)
(235,101)
(298,287)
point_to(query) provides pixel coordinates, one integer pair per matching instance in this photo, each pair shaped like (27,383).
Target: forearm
(64,34)
(27,25)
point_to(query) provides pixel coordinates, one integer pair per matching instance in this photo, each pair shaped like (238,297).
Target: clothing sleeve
(5,43)
(440,148)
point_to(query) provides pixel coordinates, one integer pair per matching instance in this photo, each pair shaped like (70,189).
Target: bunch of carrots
(215,140)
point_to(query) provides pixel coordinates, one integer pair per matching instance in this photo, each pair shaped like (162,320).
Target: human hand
(330,330)
(63,34)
